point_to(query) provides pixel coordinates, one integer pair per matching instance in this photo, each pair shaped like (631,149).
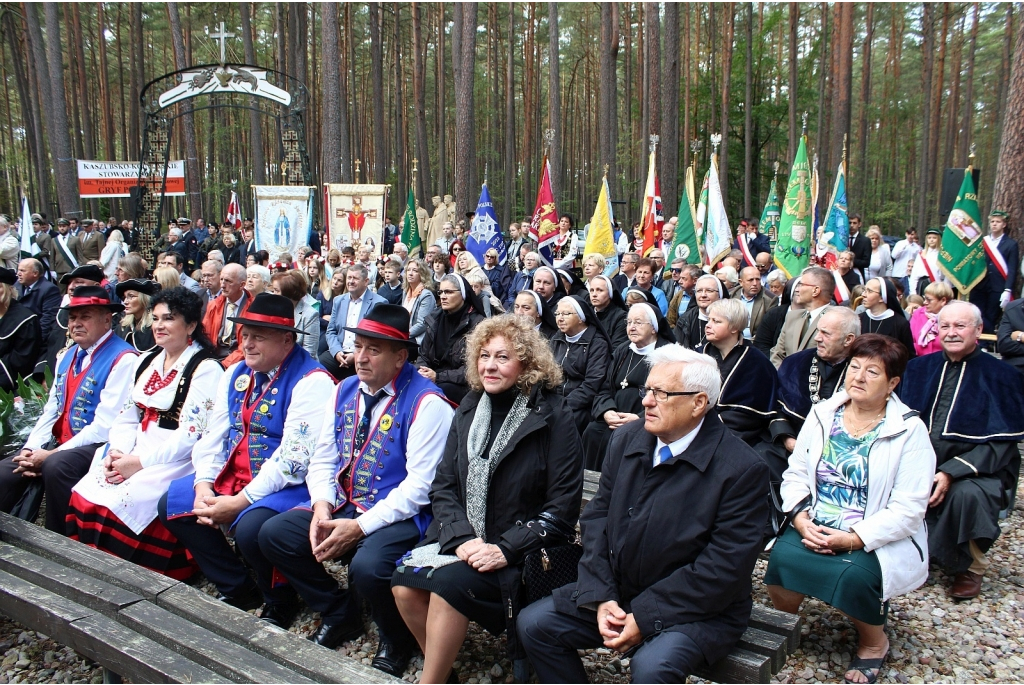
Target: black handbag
(781,520)
(557,563)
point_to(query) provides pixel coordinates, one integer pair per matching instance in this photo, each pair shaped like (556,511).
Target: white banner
(284,216)
(354,213)
(114,179)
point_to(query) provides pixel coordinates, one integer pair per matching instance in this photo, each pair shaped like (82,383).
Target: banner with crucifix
(284,218)
(355,214)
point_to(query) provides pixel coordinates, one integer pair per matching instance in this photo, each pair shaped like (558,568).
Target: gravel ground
(932,637)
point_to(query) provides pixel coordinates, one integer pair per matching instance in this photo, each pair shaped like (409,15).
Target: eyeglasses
(561,314)
(677,271)
(633,323)
(704,291)
(456,250)
(662,395)
(873,292)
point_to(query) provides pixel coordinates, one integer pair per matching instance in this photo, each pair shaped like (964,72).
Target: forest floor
(932,637)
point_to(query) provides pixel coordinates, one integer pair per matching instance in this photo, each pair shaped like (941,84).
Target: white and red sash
(745,249)
(928,268)
(992,250)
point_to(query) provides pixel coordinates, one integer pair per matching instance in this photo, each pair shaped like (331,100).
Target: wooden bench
(144,627)
(762,650)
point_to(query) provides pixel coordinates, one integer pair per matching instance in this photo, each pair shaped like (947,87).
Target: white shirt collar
(814,312)
(96,344)
(679,446)
(389,388)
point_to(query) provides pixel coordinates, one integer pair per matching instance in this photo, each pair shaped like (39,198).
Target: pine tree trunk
(927,52)
(1009,187)
(669,158)
(507,214)
(842,87)
(356,135)
(16,38)
(464,59)
(935,110)
(39,79)
(687,134)
(377,76)
(88,139)
(860,183)
(330,131)
(728,32)
(748,133)
(607,118)
(60,140)
(258,163)
(440,111)
(137,80)
(193,181)
(555,104)
(966,122)
(953,103)
(794,126)
(401,179)
(419,75)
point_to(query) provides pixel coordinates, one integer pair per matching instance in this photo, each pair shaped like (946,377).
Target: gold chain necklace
(858,432)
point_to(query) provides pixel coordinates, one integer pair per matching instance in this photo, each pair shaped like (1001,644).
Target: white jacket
(901,466)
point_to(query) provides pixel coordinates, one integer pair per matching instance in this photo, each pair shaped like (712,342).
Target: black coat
(770,330)
(613,319)
(447,358)
(675,545)
(861,249)
(584,365)
(20,344)
(44,301)
(1013,320)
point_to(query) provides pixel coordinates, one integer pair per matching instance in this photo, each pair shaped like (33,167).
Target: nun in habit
(883,314)
(689,330)
(581,347)
(611,309)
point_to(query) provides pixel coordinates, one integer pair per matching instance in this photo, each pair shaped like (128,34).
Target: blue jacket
(339,315)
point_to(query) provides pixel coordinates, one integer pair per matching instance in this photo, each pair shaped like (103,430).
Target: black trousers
(61,471)
(285,542)
(217,560)
(334,368)
(551,639)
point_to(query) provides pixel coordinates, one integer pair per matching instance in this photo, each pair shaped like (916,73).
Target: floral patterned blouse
(842,476)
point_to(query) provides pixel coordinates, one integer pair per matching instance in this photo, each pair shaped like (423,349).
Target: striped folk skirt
(155,548)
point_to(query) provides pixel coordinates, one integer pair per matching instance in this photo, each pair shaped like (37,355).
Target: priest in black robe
(973,405)
(806,378)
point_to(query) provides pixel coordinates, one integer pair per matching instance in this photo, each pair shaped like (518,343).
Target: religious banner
(485,232)
(601,236)
(833,236)
(717,232)
(354,214)
(962,253)
(116,179)
(284,218)
(651,218)
(770,215)
(410,227)
(792,252)
(544,225)
(685,245)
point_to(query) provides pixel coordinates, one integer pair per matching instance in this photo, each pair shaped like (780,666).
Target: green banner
(792,251)
(962,254)
(684,246)
(410,227)
(770,215)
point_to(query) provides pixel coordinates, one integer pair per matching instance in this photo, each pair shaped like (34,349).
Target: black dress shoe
(330,636)
(246,601)
(391,659)
(280,614)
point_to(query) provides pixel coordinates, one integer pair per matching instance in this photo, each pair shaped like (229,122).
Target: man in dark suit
(755,298)
(681,598)
(38,294)
(1002,257)
(1010,341)
(347,311)
(753,242)
(860,246)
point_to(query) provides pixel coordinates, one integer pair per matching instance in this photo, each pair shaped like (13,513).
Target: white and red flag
(234,216)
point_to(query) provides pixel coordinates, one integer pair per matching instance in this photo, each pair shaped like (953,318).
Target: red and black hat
(269,311)
(385,322)
(92,296)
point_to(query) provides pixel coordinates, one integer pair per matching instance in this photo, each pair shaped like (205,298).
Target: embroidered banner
(284,217)
(355,213)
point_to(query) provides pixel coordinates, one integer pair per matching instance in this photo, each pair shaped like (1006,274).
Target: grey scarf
(480,470)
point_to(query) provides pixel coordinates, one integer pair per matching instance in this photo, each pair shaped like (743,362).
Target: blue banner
(485,232)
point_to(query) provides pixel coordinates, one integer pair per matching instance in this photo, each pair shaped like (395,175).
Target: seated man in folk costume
(251,463)
(973,405)
(806,378)
(381,439)
(92,383)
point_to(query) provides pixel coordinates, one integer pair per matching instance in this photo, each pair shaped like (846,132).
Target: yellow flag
(601,235)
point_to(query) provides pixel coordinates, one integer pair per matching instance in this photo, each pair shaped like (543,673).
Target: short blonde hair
(595,257)
(733,311)
(530,347)
(940,290)
(167,277)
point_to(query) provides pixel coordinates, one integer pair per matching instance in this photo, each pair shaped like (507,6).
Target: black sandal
(865,666)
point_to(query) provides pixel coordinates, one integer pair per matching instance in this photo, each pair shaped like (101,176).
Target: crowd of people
(427,419)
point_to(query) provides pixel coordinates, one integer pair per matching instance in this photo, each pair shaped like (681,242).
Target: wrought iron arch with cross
(273,94)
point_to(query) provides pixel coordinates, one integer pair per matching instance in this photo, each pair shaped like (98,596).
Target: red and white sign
(114,179)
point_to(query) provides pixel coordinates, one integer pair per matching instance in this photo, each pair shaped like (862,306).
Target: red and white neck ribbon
(745,249)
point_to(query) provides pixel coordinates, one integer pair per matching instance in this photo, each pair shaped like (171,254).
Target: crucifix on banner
(355,216)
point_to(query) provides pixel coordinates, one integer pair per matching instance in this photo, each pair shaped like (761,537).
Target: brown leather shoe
(966,585)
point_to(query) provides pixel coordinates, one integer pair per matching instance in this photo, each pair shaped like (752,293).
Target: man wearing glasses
(627,272)
(813,293)
(680,598)
(860,246)
(974,410)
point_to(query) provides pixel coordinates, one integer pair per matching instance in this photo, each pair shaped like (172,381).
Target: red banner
(544,226)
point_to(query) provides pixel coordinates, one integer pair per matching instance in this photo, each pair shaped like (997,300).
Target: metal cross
(654,138)
(222,37)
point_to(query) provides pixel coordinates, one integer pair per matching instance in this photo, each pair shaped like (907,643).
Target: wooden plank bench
(144,627)
(762,650)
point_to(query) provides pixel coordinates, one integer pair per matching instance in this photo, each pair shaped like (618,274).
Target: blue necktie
(259,380)
(79,358)
(363,429)
(663,455)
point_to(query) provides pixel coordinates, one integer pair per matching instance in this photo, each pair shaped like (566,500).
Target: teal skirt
(850,581)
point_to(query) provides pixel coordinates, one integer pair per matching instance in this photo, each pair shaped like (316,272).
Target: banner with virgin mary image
(284,218)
